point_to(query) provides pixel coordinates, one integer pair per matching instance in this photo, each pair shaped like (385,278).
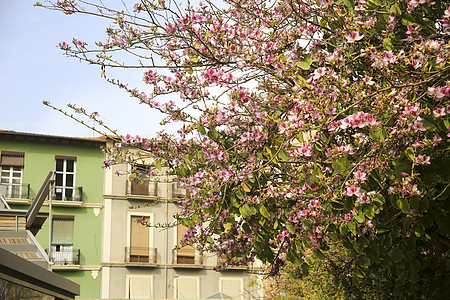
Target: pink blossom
(353,36)
(360,176)
(353,190)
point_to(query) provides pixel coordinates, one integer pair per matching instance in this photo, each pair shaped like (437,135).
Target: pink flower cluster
(358,120)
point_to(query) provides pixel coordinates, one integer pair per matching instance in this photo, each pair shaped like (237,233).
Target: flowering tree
(307,129)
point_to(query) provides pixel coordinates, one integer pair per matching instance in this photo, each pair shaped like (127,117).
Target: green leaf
(293,257)
(341,165)
(316,173)
(305,268)
(319,254)
(213,134)
(352,226)
(189,70)
(360,218)
(290,228)
(378,133)
(444,225)
(396,9)
(364,261)
(158,164)
(264,212)
(350,4)
(240,193)
(247,210)
(379,198)
(303,65)
(246,228)
(369,212)
(282,154)
(408,20)
(360,273)
(210,240)
(201,128)
(187,222)
(387,44)
(336,205)
(403,204)
(396,254)
(234,201)
(409,152)
(407,223)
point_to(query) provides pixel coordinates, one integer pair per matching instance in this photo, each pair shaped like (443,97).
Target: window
(11,169)
(143,186)
(232,287)
(186,254)
(186,288)
(139,287)
(139,240)
(62,241)
(65,178)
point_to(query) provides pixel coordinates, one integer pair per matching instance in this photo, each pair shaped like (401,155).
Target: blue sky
(33,69)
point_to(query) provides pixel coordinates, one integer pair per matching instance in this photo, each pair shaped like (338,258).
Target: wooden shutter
(186,251)
(138,188)
(139,240)
(15,159)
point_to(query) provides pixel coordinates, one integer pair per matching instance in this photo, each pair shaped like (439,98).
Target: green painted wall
(39,160)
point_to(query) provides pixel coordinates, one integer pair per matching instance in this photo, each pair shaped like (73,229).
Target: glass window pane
(17,169)
(70,165)
(59,164)
(59,179)
(5,174)
(69,180)
(4,180)
(69,194)
(16,174)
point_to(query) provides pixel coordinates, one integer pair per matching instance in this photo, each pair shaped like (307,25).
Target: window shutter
(62,230)
(187,288)
(232,287)
(186,251)
(139,241)
(15,159)
(140,287)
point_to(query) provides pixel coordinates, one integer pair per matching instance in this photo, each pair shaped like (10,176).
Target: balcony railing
(186,257)
(65,257)
(13,190)
(177,191)
(142,188)
(140,255)
(74,193)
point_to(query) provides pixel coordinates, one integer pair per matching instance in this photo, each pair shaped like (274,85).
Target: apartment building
(72,234)
(141,262)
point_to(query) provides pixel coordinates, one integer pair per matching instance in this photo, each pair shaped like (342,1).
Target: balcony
(65,257)
(187,258)
(13,190)
(74,193)
(142,188)
(140,255)
(177,191)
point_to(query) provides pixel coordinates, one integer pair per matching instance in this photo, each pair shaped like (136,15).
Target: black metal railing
(13,190)
(184,257)
(140,255)
(74,193)
(65,257)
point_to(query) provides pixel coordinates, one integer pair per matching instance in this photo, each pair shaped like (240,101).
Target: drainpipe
(166,239)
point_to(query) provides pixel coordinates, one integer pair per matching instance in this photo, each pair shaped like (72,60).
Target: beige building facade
(140,262)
